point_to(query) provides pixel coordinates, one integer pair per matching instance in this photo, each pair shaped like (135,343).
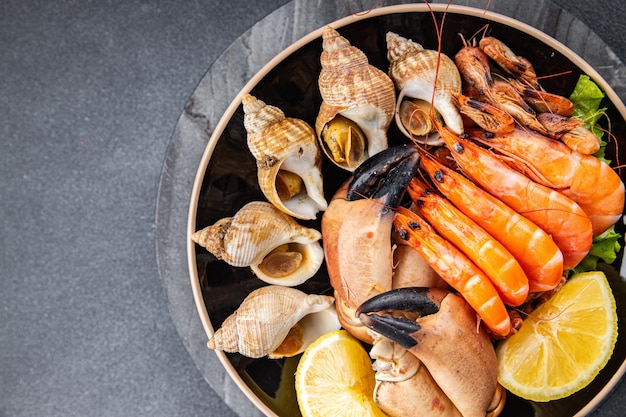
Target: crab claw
(441,329)
(385,175)
(357,231)
(399,329)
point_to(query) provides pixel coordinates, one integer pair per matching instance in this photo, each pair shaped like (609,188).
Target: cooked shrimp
(514,65)
(587,180)
(509,100)
(473,65)
(558,125)
(571,132)
(485,115)
(456,269)
(487,253)
(581,139)
(542,101)
(555,213)
(534,249)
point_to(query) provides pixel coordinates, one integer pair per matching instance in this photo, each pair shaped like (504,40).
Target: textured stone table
(94,319)
(222,83)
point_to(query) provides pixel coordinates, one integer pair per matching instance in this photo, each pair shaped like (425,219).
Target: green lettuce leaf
(587,97)
(604,247)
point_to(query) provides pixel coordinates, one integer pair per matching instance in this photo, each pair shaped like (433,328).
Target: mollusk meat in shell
(277,249)
(277,322)
(423,76)
(288,159)
(358,102)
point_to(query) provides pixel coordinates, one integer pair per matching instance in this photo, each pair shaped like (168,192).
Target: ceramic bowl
(226,178)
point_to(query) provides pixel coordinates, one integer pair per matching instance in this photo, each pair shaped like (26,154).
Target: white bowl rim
(221,125)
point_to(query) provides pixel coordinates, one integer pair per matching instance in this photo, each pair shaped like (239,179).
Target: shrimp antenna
(439,32)
(365,12)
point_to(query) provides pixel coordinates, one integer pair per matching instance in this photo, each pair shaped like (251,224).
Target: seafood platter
(318,186)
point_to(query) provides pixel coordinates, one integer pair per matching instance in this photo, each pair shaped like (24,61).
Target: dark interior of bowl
(230,179)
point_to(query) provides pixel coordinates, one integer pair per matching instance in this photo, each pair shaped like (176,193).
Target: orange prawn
(473,65)
(456,269)
(552,211)
(585,179)
(510,101)
(536,252)
(571,132)
(487,253)
(485,115)
(542,101)
(514,65)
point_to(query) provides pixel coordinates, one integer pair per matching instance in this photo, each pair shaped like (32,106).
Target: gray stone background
(90,94)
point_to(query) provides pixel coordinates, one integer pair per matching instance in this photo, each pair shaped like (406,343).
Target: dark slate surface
(90,94)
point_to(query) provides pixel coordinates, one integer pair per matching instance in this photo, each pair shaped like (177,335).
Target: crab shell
(255,234)
(404,387)
(280,143)
(277,322)
(425,75)
(350,86)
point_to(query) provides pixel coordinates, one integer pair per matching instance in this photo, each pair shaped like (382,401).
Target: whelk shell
(288,159)
(277,249)
(353,88)
(277,322)
(427,76)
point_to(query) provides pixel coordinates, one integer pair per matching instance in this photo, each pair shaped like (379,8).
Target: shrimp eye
(488,135)
(458,147)
(404,234)
(439,175)
(414,225)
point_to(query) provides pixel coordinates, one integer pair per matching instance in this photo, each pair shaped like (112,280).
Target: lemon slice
(335,378)
(563,344)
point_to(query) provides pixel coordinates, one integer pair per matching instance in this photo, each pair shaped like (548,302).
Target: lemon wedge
(335,378)
(564,343)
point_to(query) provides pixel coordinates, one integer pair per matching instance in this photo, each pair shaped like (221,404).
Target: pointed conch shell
(277,322)
(413,70)
(277,249)
(359,92)
(288,159)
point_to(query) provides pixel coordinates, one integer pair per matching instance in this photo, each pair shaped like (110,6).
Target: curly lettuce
(587,98)
(604,248)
